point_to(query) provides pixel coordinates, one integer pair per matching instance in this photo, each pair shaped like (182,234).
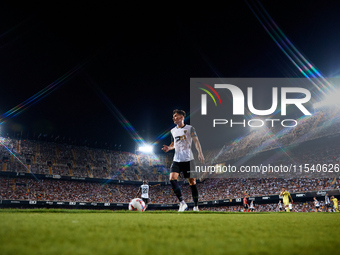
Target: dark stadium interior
(95,158)
(142,68)
(82,83)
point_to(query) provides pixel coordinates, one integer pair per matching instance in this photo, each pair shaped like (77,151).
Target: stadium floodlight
(146,148)
(329,100)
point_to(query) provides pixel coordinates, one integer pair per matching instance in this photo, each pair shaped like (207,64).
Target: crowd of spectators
(67,160)
(322,123)
(81,161)
(209,189)
(25,156)
(297,207)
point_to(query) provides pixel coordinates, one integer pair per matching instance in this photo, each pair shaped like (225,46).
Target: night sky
(140,58)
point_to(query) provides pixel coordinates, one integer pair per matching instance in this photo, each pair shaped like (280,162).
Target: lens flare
(28,170)
(305,67)
(41,94)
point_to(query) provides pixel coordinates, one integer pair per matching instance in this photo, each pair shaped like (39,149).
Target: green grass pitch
(106,232)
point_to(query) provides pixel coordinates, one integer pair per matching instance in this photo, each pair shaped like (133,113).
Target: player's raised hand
(165,148)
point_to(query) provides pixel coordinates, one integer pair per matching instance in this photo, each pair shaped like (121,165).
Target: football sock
(194,192)
(176,189)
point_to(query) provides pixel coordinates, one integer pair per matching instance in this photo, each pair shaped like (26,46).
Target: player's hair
(181,112)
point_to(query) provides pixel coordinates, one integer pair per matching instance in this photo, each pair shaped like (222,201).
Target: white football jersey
(145,191)
(327,202)
(182,142)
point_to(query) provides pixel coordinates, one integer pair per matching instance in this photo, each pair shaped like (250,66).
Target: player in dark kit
(183,161)
(245,204)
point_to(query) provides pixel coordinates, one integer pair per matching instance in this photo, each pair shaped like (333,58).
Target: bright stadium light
(146,148)
(330,100)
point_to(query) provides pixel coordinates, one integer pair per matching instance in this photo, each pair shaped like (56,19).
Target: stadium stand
(93,169)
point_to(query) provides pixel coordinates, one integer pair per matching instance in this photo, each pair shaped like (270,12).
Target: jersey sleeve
(193,132)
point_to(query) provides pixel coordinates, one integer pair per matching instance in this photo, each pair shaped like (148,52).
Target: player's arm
(291,198)
(198,148)
(197,144)
(155,185)
(167,148)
